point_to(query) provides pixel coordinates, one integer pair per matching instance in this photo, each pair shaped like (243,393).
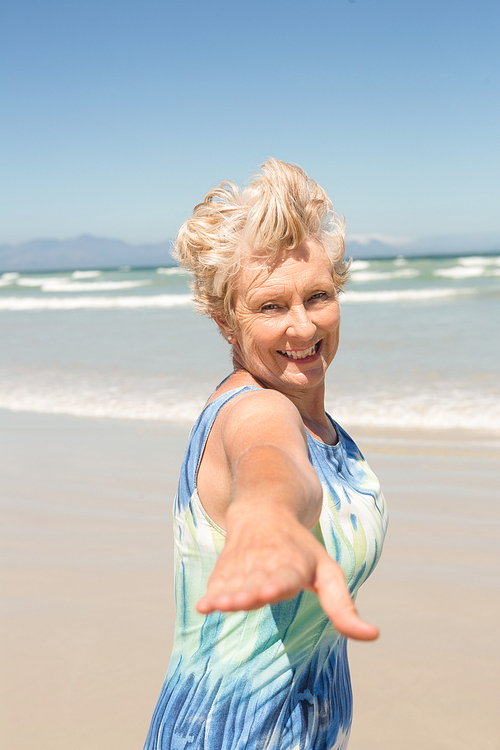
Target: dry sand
(87,599)
(432,680)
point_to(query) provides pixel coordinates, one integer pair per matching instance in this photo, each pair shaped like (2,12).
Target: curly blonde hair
(278,209)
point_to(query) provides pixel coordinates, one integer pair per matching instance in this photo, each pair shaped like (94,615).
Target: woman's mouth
(301,354)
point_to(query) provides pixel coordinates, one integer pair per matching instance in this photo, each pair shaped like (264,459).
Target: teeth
(301,355)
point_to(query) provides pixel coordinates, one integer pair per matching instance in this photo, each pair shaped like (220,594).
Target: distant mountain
(378,246)
(84,252)
(87,252)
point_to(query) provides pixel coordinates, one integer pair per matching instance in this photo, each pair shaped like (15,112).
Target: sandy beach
(87,594)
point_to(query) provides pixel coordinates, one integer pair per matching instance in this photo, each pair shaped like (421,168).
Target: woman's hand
(272,560)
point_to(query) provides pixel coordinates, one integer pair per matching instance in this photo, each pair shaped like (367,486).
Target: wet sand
(87,590)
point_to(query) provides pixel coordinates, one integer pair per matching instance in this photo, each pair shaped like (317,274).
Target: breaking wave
(18,304)
(148,397)
(405,295)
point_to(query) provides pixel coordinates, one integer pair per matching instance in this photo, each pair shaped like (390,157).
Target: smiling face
(287,320)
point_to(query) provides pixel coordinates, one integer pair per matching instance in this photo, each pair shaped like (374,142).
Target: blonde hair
(278,209)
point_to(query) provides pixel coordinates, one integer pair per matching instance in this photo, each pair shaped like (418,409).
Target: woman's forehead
(305,265)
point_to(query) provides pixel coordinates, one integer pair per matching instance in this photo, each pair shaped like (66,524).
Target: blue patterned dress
(275,678)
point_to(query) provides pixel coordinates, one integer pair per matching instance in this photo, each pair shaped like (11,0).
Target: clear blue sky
(117,115)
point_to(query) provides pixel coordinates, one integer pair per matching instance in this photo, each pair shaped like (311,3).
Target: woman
(276,508)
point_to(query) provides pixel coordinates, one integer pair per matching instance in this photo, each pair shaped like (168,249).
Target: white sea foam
(359,265)
(19,304)
(186,411)
(460,272)
(92,286)
(41,280)
(456,408)
(403,295)
(93,396)
(404,273)
(65,283)
(85,274)
(95,303)
(91,405)
(175,271)
(10,275)
(146,398)
(479,260)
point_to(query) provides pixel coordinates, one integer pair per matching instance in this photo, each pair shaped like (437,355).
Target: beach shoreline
(87,593)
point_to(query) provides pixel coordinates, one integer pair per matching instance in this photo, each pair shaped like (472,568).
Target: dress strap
(199,436)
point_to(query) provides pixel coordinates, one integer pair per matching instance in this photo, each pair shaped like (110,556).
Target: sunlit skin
(290,309)
(255,479)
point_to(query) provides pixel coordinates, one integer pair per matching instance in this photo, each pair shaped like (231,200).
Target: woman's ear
(224,327)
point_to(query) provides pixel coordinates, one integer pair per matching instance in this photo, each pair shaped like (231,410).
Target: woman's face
(287,321)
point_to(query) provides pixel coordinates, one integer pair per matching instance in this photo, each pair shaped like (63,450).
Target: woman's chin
(295,377)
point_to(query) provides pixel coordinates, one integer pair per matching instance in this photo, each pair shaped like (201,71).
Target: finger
(284,583)
(257,588)
(229,601)
(219,595)
(231,591)
(336,601)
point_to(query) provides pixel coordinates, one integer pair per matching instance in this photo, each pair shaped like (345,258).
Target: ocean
(420,345)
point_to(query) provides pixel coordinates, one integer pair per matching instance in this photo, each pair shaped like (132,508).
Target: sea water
(419,345)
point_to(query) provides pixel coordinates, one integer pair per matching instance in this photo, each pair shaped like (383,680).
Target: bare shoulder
(261,402)
(261,416)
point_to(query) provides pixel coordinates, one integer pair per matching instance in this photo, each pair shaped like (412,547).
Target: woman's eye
(269,306)
(319,295)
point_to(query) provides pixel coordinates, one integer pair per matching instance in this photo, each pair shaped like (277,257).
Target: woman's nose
(300,325)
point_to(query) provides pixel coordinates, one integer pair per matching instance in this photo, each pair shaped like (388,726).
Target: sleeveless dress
(275,678)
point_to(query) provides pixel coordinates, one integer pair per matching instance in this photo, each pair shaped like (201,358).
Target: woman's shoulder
(245,396)
(241,386)
(258,415)
(231,385)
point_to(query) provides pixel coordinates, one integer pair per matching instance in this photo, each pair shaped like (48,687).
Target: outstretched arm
(276,497)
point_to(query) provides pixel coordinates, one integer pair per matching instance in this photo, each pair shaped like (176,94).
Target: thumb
(336,601)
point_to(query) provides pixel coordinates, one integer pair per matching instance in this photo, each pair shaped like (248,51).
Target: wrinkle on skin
(288,309)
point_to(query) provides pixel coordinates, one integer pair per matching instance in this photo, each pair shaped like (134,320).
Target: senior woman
(278,518)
